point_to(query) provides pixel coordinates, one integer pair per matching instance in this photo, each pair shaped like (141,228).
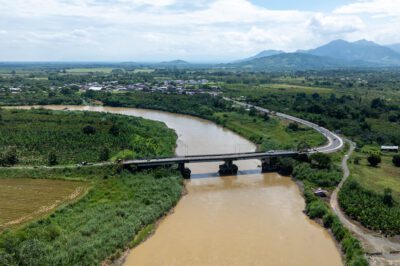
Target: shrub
(321,160)
(52,159)
(387,197)
(337,229)
(104,154)
(6,259)
(359,260)
(293,126)
(285,166)
(9,158)
(303,146)
(316,209)
(89,130)
(32,252)
(396,160)
(114,130)
(126,155)
(374,160)
(327,219)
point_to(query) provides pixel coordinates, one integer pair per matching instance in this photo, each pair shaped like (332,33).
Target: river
(249,219)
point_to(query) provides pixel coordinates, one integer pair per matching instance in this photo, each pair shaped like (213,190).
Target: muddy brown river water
(249,219)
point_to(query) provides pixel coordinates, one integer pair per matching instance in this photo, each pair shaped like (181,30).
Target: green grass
(271,134)
(297,88)
(36,133)
(279,89)
(376,179)
(142,235)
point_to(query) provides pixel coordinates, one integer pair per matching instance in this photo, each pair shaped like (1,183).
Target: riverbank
(380,250)
(323,245)
(106,218)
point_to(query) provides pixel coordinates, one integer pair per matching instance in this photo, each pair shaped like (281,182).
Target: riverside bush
(317,208)
(88,231)
(318,177)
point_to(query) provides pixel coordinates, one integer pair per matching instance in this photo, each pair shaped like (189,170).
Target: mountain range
(334,55)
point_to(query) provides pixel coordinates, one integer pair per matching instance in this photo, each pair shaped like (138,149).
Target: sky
(196,31)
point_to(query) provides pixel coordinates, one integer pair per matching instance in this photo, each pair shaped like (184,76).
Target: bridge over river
(268,159)
(228,168)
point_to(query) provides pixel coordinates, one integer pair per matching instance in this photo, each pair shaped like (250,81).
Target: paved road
(334,144)
(372,242)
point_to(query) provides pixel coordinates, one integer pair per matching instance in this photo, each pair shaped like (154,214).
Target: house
(15,90)
(390,148)
(95,88)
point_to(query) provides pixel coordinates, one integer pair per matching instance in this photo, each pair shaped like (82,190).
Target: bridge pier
(269,164)
(228,168)
(186,172)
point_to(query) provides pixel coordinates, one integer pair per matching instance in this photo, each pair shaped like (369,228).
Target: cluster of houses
(12,90)
(168,86)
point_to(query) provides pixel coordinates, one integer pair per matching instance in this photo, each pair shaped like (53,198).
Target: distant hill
(291,61)
(262,54)
(175,63)
(394,47)
(361,51)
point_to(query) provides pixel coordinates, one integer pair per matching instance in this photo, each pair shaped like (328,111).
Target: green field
(376,179)
(103,70)
(269,135)
(143,70)
(74,137)
(371,195)
(296,88)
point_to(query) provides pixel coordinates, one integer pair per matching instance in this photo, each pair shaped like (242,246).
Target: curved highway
(335,142)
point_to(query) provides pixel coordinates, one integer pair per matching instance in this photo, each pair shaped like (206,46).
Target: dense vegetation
(372,194)
(376,211)
(268,132)
(50,137)
(118,205)
(99,225)
(351,247)
(361,104)
(366,120)
(319,171)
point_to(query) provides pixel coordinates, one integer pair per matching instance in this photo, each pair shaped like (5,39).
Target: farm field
(22,200)
(376,179)
(105,70)
(296,88)
(39,137)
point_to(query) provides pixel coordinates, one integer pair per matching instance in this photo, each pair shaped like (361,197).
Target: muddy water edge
(248,219)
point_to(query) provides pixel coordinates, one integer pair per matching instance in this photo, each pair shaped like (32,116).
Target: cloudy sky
(201,30)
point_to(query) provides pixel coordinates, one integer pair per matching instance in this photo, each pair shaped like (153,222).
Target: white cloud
(167,29)
(334,25)
(378,7)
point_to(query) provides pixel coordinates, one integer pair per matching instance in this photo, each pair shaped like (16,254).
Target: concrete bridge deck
(209,158)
